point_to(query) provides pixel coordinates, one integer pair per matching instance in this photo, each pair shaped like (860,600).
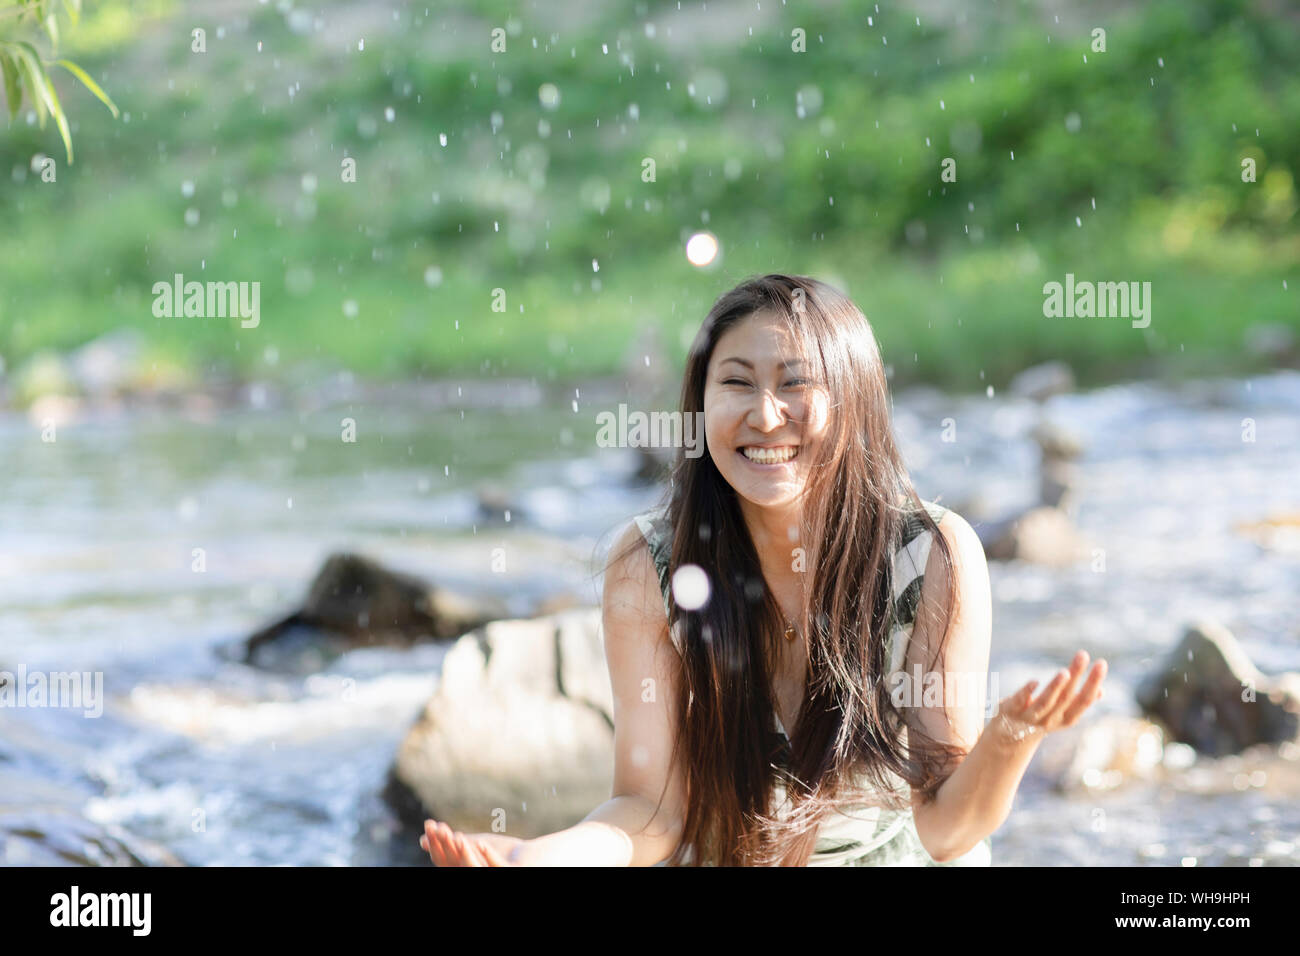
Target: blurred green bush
(1121,165)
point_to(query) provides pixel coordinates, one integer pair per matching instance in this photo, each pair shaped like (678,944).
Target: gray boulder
(1209,695)
(49,837)
(357,602)
(1041,382)
(1055,442)
(1040,535)
(1101,753)
(107,365)
(519,736)
(1057,482)
(495,502)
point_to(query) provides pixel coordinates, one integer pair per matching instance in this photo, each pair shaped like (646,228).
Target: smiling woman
(818,575)
(862,834)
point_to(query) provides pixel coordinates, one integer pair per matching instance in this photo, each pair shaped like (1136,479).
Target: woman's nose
(771,412)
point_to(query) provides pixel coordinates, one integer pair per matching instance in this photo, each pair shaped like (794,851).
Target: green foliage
(1153,130)
(24,69)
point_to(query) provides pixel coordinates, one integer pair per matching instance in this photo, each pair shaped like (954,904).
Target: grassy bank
(1122,165)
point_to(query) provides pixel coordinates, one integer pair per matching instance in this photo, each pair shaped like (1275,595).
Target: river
(143,543)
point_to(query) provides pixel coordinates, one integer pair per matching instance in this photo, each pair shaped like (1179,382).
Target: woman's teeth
(770,456)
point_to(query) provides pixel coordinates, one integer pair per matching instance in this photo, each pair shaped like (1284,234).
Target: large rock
(1041,535)
(1055,442)
(498,506)
(359,603)
(1056,484)
(520,732)
(48,837)
(1102,753)
(1041,382)
(1058,473)
(1209,695)
(107,365)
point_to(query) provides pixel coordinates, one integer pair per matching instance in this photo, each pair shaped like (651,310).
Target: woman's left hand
(448,847)
(1058,706)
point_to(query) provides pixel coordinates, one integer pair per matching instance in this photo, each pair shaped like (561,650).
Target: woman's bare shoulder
(957,531)
(632,594)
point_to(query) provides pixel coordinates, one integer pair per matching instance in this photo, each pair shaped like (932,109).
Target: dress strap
(907,577)
(655,530)
(907,571)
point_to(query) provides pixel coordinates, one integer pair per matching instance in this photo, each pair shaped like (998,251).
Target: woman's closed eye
(792,382)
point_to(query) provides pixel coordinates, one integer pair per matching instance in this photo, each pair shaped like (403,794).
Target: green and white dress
(859,835)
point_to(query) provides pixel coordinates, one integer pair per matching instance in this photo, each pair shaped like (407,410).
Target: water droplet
(701,249)
(690,587)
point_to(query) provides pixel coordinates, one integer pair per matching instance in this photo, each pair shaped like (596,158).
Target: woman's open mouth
(769,456)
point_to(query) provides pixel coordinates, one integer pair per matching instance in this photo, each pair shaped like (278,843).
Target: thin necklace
(790,632)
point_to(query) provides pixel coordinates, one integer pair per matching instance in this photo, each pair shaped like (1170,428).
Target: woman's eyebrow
(789,363)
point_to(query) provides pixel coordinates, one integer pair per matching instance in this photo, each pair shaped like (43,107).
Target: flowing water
(142,544)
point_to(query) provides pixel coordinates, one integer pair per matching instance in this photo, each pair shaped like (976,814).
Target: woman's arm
(614,834)
(622,831)
(625,830)
(977,797)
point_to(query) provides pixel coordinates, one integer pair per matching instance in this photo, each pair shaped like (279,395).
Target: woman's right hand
(1057,707)
(448,847)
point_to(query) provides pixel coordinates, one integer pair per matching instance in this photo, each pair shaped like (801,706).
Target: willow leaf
(13,85)
(59,117)
(52,28)
(89,84)
(30,67)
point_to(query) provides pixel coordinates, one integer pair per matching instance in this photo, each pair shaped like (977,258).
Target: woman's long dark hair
(849,745)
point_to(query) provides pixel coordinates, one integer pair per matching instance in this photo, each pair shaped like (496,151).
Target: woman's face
(763,416)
